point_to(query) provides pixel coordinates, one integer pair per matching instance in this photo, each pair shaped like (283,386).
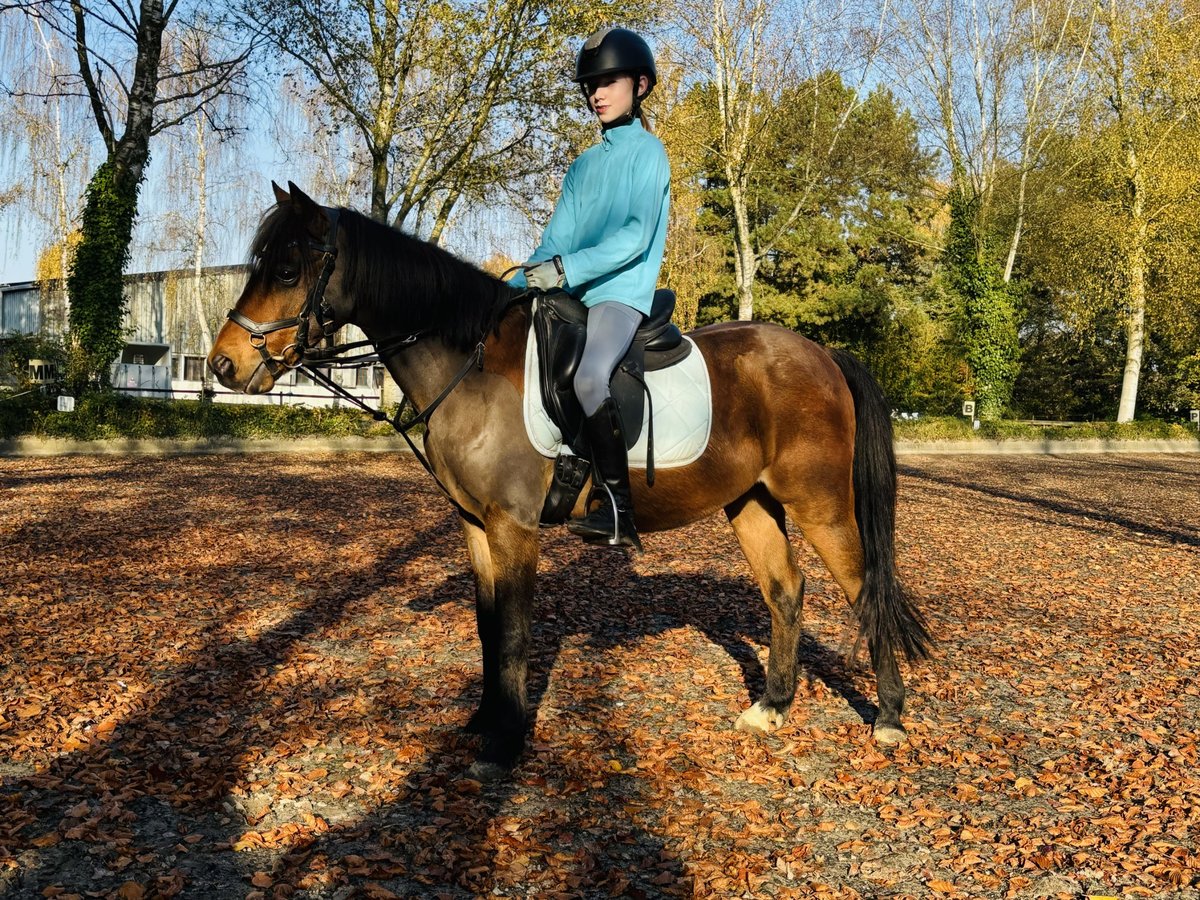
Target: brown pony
(798,431)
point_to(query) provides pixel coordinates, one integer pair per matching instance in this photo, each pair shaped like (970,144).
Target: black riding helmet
(612,50)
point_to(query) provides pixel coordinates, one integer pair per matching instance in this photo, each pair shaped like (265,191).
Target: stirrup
(617,529)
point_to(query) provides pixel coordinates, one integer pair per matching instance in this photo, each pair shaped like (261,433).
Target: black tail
(887,615)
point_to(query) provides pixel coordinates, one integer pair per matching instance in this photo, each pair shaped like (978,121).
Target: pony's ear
(300,199)
(316,219)
(281,196)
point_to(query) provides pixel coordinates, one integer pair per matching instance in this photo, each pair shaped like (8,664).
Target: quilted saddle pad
(681,398)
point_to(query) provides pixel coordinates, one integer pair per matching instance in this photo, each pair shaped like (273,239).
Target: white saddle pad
(682,399)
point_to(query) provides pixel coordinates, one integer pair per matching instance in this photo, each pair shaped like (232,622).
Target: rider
(604,245)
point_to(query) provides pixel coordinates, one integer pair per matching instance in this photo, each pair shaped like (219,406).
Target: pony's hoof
(758,719)
(890,735)
(487,771)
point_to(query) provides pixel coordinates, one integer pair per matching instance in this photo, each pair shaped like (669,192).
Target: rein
(474,361)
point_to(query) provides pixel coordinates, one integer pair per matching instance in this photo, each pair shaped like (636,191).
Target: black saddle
(560,324)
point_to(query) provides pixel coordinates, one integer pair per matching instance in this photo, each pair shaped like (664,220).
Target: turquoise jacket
(610,224)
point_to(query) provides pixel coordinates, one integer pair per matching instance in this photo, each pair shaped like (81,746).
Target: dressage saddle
(560,326)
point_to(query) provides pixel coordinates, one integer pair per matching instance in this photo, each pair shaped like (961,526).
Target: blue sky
(474,234)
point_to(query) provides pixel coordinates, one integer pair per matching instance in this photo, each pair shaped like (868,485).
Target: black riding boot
(612,521)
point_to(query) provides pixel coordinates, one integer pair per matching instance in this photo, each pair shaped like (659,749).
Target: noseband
(315,306)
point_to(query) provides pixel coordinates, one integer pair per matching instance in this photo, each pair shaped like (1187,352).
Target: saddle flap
(560,323)
(682,411)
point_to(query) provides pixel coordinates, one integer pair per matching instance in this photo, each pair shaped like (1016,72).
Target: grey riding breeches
(610,329)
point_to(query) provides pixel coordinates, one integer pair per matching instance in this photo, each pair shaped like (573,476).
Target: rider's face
(611,96)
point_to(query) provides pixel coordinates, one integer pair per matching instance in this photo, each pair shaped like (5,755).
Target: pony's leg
(839,545)
(487,624)
(510,563)
(758,520)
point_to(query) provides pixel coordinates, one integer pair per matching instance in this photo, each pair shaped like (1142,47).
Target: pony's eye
(287,274)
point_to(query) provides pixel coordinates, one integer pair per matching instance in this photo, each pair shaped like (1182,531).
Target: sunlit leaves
(245,676)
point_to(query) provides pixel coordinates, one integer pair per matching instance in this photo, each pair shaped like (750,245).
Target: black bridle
(315,307)
(303,353)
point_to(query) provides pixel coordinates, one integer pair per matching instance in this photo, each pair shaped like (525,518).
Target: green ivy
(988,318)
(96,284)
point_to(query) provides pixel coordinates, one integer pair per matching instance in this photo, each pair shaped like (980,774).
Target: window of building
(193,368)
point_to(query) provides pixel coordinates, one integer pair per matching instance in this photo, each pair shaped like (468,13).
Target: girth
(560,324)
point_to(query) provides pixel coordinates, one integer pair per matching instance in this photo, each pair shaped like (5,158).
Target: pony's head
(286,305)
(395,287)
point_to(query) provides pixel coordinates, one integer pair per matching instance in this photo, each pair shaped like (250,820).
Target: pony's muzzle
(222,366)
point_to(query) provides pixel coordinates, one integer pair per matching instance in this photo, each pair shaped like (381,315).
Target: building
(171,320)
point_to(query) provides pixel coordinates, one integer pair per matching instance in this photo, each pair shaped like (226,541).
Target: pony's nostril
(221,365)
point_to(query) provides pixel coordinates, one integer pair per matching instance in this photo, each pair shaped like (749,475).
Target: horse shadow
(563,611)
(107,813)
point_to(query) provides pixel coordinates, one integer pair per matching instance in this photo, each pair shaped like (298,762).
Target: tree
(133,92)
(960,59)
(207,188)
(850,268)
(451,99)
(854,240)
(49,153)
(1117,238)
(749,52)
(1146,60)
(694,260)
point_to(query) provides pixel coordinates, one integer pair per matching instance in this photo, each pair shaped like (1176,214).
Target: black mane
(392,277)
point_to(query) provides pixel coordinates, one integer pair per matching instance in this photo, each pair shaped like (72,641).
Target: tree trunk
(96,283)
(1135,324)
(201,224)
(380,209)
(1135,334)
(1018,227)
(745,261)
(442,220)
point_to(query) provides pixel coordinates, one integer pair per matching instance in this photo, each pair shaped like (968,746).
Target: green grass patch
(111,416)
(954,428)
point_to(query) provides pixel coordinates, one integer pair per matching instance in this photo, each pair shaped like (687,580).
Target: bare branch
(85,72)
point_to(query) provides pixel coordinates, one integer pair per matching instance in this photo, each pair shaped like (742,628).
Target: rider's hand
(545,275)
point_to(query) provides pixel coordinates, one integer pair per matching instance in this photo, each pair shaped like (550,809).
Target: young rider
(604,245)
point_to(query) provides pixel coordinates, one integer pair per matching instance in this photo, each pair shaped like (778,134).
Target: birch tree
(751,52)
(1128,230)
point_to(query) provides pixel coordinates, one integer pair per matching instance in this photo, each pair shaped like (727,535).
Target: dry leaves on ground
(246,677)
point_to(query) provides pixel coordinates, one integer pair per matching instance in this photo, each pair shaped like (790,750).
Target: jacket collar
(621,133)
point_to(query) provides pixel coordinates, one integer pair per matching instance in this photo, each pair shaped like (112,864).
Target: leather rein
(299,355)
